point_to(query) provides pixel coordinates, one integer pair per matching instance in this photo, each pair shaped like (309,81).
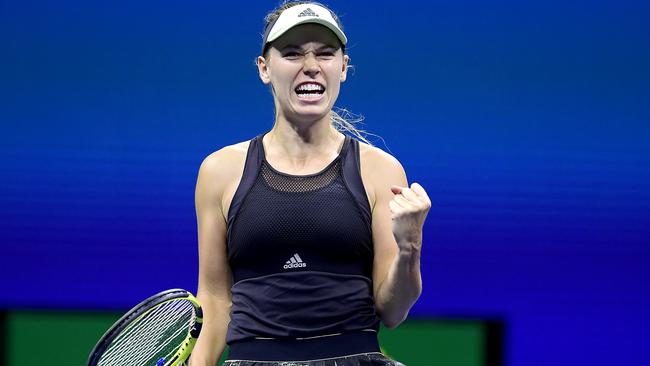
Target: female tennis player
(308,238)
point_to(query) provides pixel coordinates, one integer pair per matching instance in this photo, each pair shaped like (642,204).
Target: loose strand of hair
(345,121)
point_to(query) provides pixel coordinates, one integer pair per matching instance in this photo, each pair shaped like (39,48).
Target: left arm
(397,219)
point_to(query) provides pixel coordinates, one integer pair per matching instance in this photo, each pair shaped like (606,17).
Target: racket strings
(147,339)
(140,336)
(152,338)
(142,341)
(174,339)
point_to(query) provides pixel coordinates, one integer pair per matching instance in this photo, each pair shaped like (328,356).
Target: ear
(263,69)
(344,70)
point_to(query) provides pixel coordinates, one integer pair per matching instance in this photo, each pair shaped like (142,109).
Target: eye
(291,54)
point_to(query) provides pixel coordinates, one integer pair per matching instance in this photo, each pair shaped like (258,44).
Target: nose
(311,66)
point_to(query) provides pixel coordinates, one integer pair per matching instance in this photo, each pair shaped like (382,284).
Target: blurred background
(526,122)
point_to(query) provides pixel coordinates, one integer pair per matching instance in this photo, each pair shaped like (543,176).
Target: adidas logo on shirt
(295,262)
(307,13)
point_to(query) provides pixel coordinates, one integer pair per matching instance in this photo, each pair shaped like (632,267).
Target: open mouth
(310,90)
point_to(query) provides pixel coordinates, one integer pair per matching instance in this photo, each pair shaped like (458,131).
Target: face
(305,68)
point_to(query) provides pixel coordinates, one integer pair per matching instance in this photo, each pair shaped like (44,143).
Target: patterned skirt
(362,359)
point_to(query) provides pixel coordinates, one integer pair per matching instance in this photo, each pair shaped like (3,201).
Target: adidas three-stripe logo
(295,262)
(307,13)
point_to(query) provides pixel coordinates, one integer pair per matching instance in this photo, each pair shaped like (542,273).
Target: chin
(315,110)
(310,114)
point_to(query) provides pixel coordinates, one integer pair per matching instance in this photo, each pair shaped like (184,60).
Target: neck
(302,142)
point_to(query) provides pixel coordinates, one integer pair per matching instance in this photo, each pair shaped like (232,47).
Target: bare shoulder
(226,155)
(221,163)
(222,169)
(378,158)
(379,170)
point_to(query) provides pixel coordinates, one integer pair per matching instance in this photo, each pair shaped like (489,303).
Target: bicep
(388,172)
(215,277)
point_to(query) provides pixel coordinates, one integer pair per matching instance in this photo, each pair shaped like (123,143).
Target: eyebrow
(293,46)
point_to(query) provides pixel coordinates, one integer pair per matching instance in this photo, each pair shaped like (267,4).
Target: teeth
(310,87)
(310,95)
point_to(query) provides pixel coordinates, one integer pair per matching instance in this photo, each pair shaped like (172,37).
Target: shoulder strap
(254,160)
(352,176)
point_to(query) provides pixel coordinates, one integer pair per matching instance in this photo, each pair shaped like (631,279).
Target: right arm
(215,278)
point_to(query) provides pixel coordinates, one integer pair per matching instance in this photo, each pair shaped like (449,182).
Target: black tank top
(300,250)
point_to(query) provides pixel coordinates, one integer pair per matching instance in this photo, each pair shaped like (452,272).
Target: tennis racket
(160,331)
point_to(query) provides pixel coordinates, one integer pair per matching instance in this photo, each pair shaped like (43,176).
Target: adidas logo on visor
(295,262)
(307,13)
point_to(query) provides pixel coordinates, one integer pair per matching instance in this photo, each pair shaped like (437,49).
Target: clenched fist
(409,208)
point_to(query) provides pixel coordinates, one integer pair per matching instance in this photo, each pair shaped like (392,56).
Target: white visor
(300,14)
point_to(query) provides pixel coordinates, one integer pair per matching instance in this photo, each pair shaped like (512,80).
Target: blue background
(527,123)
